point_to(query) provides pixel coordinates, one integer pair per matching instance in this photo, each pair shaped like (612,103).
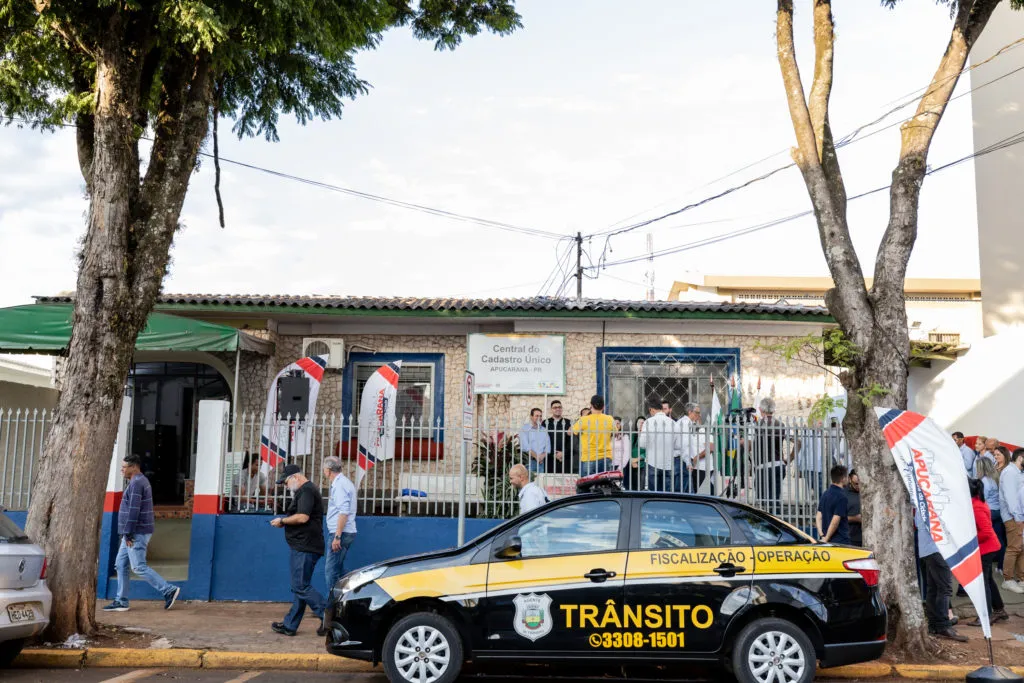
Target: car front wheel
(773,651)
(423,648)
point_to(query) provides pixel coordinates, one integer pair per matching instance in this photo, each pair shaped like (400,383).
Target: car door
(689,571)
(563,586)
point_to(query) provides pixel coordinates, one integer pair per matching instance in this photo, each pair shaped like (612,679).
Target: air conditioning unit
(318,346)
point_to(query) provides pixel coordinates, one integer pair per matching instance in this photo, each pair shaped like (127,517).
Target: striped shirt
(136,513)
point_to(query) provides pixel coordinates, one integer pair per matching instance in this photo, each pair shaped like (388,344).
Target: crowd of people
(659,452)
(996,485)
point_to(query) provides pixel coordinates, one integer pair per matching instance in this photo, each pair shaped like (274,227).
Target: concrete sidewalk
(230,626)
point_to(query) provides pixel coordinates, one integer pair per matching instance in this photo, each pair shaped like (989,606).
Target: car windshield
(9,531)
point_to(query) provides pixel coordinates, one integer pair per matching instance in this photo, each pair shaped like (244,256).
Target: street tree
(122,71)
(873,319)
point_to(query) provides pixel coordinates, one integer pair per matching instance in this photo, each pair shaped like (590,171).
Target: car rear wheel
(9,650)
(773,651)
(423,648)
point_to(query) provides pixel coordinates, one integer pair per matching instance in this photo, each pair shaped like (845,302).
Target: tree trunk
(67,496)
(122,265)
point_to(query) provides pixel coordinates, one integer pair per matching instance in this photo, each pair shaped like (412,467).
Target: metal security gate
(677,377)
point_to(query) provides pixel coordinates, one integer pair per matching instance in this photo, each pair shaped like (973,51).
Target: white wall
(978,394)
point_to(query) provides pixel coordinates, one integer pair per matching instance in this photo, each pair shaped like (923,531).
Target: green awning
(46,328)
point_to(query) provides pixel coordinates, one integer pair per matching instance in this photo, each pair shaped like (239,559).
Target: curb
(129,658)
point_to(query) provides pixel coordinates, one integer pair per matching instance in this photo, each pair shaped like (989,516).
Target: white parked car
(24,597)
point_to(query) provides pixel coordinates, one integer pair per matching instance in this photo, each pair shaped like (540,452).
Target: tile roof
(451,304)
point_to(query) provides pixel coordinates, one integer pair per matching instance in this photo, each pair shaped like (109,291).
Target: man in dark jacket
(560,457)
(303,525)
(135,527)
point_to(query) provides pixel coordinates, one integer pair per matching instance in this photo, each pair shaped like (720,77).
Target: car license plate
(21,612)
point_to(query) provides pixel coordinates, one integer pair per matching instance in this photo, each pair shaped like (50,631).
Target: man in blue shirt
(135,527)
(534,441)
(341,520)
(833,508)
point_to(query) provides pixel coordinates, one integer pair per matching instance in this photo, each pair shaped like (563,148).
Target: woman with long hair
(988,473)
(988,545)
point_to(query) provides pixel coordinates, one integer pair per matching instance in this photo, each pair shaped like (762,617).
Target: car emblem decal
(533,616)
(21,567)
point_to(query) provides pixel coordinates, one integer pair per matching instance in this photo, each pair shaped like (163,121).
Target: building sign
(517,364)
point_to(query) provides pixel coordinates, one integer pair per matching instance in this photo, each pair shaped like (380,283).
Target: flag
(735,399)
(757,400)
(933,472)
(281,439)
(718,427)
(377,418)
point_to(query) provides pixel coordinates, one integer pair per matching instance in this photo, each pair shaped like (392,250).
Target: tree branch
(180,126)
(916,136)
(848,301)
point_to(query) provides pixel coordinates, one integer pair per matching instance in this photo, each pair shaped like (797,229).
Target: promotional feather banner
(281,438)
(933,472)
(377,418)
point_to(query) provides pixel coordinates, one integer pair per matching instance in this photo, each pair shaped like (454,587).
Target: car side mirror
(511,548)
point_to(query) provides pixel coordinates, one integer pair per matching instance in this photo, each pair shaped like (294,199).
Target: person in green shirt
(637,461)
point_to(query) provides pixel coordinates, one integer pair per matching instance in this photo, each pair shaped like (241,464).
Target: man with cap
(304,532)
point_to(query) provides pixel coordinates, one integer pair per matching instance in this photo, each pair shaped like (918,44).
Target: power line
(1010,141)
(846,140)
(442,213)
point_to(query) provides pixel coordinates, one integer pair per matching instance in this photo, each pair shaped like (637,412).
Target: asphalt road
(222,676)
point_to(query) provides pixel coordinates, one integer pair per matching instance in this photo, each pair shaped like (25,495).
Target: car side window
(674,524)
(762,531)
(574,529)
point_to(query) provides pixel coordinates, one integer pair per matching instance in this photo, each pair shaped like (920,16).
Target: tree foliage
(122,69)
(267,57)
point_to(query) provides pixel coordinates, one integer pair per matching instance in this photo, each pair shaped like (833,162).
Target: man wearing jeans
(135,527)
(1011,507)
(595,431)
(341,520)
(660,439)
(304,531)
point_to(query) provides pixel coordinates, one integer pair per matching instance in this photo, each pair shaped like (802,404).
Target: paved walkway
(232,626)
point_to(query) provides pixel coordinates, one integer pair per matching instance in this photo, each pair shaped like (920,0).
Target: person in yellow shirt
(595,432)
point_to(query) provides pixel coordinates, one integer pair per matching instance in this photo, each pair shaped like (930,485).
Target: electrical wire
(848,139)
(1005,143)
(442,213)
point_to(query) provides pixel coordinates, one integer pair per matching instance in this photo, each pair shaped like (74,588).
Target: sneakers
(950,634)
(996,616)
(1013,586)
(278,627)
(171,597)
(116,606)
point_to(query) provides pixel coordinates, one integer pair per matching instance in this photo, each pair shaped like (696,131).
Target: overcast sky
(596,113)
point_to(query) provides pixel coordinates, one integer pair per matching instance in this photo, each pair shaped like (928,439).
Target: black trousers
(992,596)
(938,587)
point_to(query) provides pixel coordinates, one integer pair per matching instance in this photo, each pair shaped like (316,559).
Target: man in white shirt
(966,452)
(341,520)
(694,440)
(1011,507)
(659,438)
(531,496)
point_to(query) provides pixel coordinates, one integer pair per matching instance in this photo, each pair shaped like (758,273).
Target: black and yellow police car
(618,577)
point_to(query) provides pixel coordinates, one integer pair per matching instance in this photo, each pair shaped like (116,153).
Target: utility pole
(579,266)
